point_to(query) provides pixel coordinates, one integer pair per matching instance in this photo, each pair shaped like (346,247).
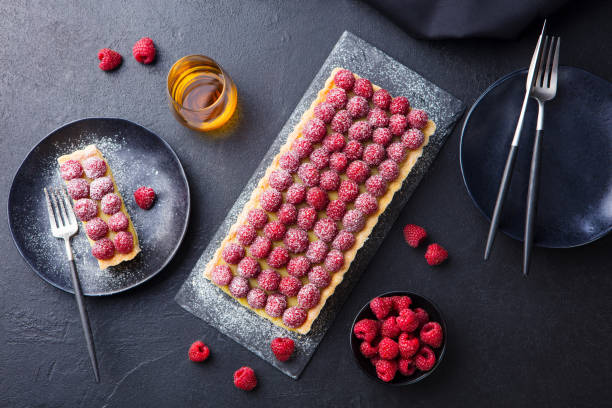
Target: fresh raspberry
(320,158)
(270,200)
(358,107)
(308,296)
(94,167)
(382,136)
(378,118)
(336,209)
(198,352)
(353,221)
(314,131)
(376,185)
(276,305)
(309,174)
(316,251)
(343,241)
(245,379)
(368,350)
(248,267)
(317,198)
(363,87)
(282,347)
(302,148)
(278,257)
(110,204)
(103,249)
(334,142)
(78,188)
(289,161)
(298,266)
(358,171)
(388,170)
(348,191)
(408,345)
(221,275)
(232,253)
(389,328)
(386,369)
(294,317)
(338,162)
(260,248)
(388,348)
(144,50)
(275,230)
(366,203)
(406,366)
(407,320)
(287,214)
(413,139)
(319,277)
(324,111)
(280,180)
(246,234)
(329,181)
(307,216)
(144,196)
(334,261)
(341,122)
(325,229)
(399,105)
(109,59)
(397,152)
(435,254)
(380,308)
(381,99)
(414,235)
(425,359)
(256,298)
(366,329)
(344,79)
(431,334)
(118,222)
(290,286)
(360,131)
(421,315)
(353,150)
(373,154)
(124,242)
(239,286)
(336,97)
(296,240)
(417,119)
(269,280)
(397,124)
(96,228)
(102,186)
(401,302)
(85,209)
(296,193)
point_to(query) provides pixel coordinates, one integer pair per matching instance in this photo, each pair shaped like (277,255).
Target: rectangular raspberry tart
(319,200)
(99,206)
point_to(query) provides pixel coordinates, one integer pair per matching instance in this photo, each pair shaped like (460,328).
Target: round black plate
(575,192)
(137,157)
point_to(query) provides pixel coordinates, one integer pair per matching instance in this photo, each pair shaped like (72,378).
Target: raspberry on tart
(320,158)
(118,222)
(324,112)
(96,228)
(336,209)
(382,136)
(317,198)
(71,169)
(248,267)
(314,131)
(94,167)
(353,150)
(341,122)
(77,188)
(381,99)
(378,118)
(307,216)
(287,214)
(257,218)
(357,107)
(289,161)
(298,266)
(110,204)
(124,242)
(337,98)
(373,154)
(338,162)
(296,194)
(334,142)
(269,280)
(329,181)
(100,187)
(344,79)
(276,304)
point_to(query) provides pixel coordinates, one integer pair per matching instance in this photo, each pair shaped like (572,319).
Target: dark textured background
(541,341)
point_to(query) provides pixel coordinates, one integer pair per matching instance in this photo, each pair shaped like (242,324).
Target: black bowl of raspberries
(399,338)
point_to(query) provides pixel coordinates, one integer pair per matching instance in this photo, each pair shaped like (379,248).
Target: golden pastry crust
(360,238)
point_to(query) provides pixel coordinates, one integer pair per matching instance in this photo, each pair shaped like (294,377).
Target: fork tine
(69,209)
(63,209)
(555,65)
(50,211)
(58,218)
(546,81)
(541,67)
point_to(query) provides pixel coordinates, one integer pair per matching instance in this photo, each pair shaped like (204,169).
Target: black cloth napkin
(436,19)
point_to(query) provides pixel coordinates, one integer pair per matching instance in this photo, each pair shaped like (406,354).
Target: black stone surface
(541,341)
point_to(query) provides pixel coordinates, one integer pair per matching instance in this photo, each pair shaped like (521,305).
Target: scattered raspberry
(325,229)
(307,216)
(260,248)
(353,221)
(256,298)
(417,119)
(357,107)
(319,277)
(316,251)
(314,131)
(382,136)
(248,267)
(336,210)
(334,142)
(413,139)
(103,249)
(400,105)
(341,122)
(334,261)
(407,320)
(401,302)
(239,286)
(376,185)
(118,222)
(232,253)
(289,161)
(317,198)
(343,241)
(78,188)
(222,275)
(358,171)
(366,329)
(425,359)
(389,328)
(278,257)
(348,191)
(110,204)
(296,240)
(109,59)
(96,228)
(280,180)
(198,352)
(257,218)
(124,242)
(435,254)
(85,209)
(294,317)
(388,348)
(287,214)
(336,97)
(386,369)
(397,152)
(94,167)
(102,186)
(329,181)
(414,235)
(408,345)
(360,131)
(245,379)
(269,280)
(421,315)
(397,124)
(144,50)
(388,170)
(324,112)
(382,99)
(246,234)
(378,118)
(380,308)
(302,148)
(298,266)
(353,150)
(276,305)
(366,203)
(270,200)
(320,158)
(406,366)
(431,334)
(363,87)
(275,230)
(308,296)
(296,193)
(309,174)
(290,286)
(338,162)
(144,196)
(368,350)
(282,347)
(344,79)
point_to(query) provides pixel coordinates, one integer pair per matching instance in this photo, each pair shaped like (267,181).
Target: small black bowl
(417,301)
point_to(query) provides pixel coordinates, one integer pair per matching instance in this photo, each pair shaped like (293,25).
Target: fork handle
(532,198)
(78,294)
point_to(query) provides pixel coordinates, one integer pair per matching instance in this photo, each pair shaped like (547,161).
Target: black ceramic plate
(137,157)
(417,301)
(575,193)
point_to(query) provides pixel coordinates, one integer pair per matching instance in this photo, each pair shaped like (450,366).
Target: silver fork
(544,89)
(64,225)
